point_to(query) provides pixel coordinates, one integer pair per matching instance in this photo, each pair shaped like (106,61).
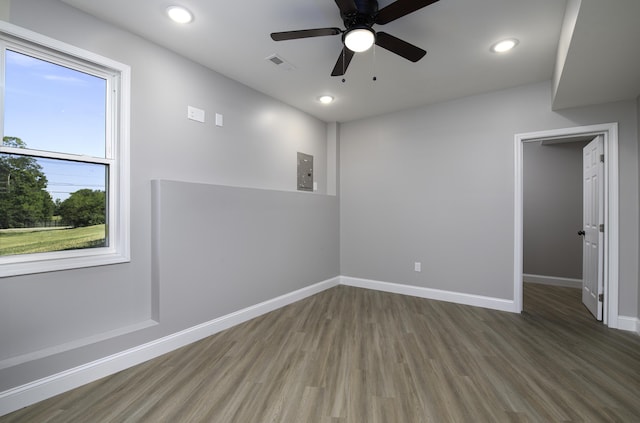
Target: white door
(593,226)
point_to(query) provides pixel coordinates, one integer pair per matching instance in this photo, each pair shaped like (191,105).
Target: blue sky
(53,108)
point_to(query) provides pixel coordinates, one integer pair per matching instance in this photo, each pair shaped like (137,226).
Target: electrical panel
(305,172)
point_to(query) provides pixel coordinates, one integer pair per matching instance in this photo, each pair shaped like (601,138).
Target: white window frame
(116,152)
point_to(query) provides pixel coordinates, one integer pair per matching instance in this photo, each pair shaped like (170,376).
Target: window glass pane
(51,205)
(54,108)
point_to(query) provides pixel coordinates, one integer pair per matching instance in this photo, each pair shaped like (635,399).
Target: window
(64,177)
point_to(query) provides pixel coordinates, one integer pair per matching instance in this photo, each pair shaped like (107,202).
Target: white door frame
(611,209)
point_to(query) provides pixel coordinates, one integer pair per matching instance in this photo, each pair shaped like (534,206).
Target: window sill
(52,262)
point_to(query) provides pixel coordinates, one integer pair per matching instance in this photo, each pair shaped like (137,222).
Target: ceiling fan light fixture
(179,14)
(359,39)
(504,45)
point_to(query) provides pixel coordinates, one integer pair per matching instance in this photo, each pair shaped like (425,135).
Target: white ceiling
(232,38)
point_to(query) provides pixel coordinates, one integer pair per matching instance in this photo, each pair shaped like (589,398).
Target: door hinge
(602,227)
(601,297)
(602,158)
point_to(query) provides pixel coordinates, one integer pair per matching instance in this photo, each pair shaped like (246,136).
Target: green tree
(56,209)
(84,207)
(24,200)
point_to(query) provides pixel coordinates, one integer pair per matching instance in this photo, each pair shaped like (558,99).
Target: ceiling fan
(359,16)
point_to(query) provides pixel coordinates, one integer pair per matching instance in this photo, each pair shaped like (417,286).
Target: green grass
(42,240)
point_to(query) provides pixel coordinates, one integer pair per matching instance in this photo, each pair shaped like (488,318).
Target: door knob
(581,233)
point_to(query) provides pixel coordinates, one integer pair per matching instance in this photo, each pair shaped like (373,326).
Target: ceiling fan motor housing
(363,16)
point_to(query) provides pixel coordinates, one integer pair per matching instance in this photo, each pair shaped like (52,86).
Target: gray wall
(638,111)
(108,308)
(432,184)
(436,185)
(234,247)
(552,209)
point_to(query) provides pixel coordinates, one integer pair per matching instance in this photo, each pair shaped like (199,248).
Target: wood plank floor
(355,355)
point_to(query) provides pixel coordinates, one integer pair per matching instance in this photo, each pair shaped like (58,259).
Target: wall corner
(332,158)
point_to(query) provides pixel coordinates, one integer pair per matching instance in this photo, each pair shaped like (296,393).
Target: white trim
(55,155)
(30,393)
(611,234)
(57,349)
(552,280)
(23,34)
(631,324)
(432,294)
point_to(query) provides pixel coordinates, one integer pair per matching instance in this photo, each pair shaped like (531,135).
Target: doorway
(554,219)
(609,133)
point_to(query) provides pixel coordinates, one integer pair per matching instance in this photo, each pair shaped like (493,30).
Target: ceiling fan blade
(399,47)
(346,6)
(304,33)
(399,9)
(343,62)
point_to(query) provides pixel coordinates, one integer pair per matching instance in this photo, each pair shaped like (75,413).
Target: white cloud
(66,79)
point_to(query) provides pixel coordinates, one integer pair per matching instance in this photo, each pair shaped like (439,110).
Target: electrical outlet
(417,266)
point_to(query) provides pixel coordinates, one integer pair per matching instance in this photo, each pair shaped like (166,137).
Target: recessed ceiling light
(179,14)
(504,45)
(325,99)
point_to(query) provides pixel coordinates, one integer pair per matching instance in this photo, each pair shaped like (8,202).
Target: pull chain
(343,66)
(373,65)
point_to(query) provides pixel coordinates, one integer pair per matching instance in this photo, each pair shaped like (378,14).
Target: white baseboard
(432,294)
(553,280)
(36,355)
(30,393)
(631,324)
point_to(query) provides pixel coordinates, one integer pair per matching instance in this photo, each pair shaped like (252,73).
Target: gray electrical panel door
(305,172)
